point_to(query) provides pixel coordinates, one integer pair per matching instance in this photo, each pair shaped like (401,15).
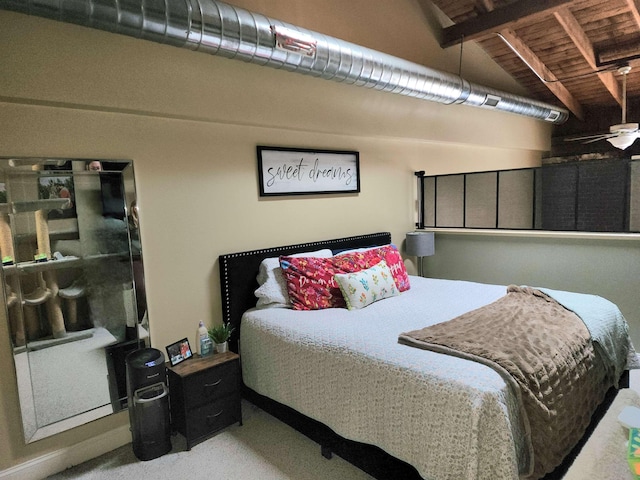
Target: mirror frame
(32,431)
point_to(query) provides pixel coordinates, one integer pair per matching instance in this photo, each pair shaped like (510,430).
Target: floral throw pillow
(311,284)
(367,286)
(272,290)
(391,255)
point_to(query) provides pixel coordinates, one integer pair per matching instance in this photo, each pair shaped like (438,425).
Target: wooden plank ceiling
(563,52)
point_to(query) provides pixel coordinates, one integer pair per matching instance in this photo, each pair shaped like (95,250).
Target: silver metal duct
(220,29)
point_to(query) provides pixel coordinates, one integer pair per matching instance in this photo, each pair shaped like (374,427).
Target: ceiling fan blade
(621,135)
(591,138)
(604,137)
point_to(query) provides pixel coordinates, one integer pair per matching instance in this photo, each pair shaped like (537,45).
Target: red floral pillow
(311,284)
(310,281)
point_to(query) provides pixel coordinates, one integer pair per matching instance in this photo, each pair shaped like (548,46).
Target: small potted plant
(219,335)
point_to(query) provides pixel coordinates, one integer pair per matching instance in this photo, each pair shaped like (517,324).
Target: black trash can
(148,400)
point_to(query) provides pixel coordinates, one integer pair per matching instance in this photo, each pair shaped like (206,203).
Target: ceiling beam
(619,54)
(622,53)
(497,20)
(487,5)
(542,72)
(536,65)
(635,11)
(578,36)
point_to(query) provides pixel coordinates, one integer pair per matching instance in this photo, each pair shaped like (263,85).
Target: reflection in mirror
(73,286)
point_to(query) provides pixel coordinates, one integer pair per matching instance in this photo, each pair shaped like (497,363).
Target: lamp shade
(420,244)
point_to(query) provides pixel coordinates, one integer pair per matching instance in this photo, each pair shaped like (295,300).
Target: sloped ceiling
(563,52)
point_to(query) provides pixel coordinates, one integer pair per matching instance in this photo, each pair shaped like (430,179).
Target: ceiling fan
(623,134)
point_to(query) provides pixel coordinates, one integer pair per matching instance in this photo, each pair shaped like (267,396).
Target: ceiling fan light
(623,141)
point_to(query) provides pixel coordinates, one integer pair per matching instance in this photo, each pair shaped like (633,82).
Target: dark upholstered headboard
(238,273)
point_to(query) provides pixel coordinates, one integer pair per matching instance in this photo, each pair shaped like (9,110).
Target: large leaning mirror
(73,287)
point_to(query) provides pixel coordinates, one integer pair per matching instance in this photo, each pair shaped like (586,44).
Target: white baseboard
(55,462)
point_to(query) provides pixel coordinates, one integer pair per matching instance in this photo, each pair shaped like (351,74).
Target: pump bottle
(202,338)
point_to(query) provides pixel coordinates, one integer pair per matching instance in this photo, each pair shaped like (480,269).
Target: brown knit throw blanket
(545,353)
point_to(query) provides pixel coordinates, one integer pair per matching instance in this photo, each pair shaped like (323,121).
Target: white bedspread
(450,418)
(608,328)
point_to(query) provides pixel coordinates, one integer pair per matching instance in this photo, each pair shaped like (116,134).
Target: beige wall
(191,122)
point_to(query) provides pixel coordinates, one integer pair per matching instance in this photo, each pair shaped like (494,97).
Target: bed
(343,378)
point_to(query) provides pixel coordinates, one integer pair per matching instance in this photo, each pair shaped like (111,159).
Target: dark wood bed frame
(238,283)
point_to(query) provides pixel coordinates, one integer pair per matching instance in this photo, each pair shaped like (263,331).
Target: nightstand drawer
(214,416)
(212,384)
(204,395)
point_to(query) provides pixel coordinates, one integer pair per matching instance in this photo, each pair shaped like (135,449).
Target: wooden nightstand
(204,395)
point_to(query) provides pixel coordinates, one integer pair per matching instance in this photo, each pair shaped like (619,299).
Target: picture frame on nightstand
(179,351)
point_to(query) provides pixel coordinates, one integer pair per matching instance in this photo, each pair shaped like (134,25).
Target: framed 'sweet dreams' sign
(301,171)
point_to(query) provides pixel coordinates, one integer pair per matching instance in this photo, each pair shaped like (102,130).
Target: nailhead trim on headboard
(237,293)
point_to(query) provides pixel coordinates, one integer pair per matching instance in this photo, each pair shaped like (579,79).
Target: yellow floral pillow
(367,286)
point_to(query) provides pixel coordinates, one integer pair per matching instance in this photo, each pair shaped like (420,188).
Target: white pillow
(358,250)
(367,286)
(272,290)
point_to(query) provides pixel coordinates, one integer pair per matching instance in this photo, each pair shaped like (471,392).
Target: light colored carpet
(604,456)
(263,448)
(70,378)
